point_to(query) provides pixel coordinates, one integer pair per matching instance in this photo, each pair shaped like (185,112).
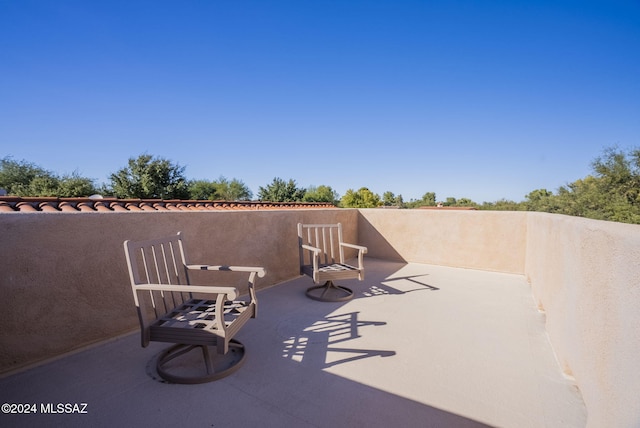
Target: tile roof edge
(105,205)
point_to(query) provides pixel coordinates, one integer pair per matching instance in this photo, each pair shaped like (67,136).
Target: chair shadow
(315,342)
(398,285)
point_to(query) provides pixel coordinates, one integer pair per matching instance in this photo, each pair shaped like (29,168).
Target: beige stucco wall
(63,277)
(487,240)
(585,275)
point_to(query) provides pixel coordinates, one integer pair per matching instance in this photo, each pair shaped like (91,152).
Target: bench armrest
(230,292)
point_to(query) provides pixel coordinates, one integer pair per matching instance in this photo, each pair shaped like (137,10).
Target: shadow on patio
(418,346)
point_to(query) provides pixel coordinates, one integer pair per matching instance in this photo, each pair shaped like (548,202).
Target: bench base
(329,292)
(181,364)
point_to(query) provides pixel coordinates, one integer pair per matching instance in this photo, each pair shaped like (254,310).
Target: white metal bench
(169,311)
(322,257)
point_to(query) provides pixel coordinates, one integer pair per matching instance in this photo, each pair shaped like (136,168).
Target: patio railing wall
(584,275)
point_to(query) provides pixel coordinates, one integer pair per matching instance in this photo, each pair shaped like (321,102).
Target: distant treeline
(611,192)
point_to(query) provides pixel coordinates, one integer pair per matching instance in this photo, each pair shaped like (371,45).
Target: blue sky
(477,99)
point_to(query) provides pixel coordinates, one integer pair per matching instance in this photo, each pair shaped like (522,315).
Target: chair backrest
(156,261)
(326,237)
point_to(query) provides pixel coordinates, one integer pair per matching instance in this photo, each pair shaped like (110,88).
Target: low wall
(64,283)
(486,240)
(585,276)
(63,276)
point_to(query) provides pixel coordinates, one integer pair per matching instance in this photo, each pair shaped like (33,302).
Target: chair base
(178,364)
(329,292)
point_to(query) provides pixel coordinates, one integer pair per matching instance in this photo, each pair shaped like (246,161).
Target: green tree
(502,205)
(450,202)
(363,198)
(22,178)
(281,191)
(150,178)
(202,190)
(71,186)
(619,173)
(234,190)
(221,189)
(320,193)
(428,200)
(541,200)
(611,193)
(389,199)
(465,202)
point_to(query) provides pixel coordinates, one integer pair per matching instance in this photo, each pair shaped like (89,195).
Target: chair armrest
(361,252)
(316,250)
(357,247)
(314,260)
(259,270)
(251,270)
(230,292)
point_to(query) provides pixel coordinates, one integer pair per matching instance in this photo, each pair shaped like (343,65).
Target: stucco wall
(585,275)
(64,284)
(63,277)
(486,240)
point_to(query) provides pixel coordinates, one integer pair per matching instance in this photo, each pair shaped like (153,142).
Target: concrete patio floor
(418,346)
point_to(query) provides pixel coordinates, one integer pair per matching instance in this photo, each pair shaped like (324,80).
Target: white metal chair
(322,257)
(169,311)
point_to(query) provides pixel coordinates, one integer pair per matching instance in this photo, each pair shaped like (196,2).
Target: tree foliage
(320,193)
(221,189)
(150,178)
(611,192)
(234,190)
(202,190)
(281,191)
(363,198)
(22,178)
(389,199)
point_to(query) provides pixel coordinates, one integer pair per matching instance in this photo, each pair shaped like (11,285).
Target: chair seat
(332,271)
(199,316)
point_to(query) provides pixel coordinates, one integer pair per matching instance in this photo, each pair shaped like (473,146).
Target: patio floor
(419,346)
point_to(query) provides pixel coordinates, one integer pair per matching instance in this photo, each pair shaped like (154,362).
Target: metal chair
(169,311)
(322,257)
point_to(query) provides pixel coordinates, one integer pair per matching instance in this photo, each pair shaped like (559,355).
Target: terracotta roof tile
(117,206)
(91,205)
(5,207)
(26,207)
(48,207)
(85,207)
(101,207)
(66,207)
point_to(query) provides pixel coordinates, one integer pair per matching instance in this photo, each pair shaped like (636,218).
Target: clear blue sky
(480,99)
